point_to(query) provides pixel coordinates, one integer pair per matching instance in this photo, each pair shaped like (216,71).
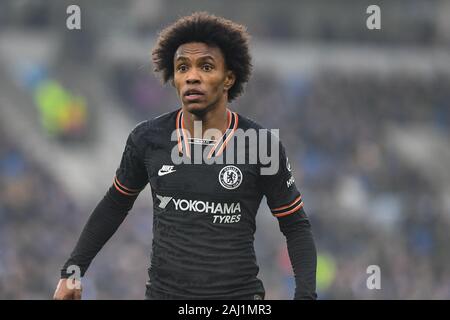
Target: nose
(193,77)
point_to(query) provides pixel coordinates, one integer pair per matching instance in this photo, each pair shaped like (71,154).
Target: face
(200,77)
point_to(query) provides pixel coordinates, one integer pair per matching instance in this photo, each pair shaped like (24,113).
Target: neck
(213,118)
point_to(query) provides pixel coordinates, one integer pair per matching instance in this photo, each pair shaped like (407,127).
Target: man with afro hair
(203,213)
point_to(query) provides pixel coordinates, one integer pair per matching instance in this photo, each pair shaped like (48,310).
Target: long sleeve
(302,252)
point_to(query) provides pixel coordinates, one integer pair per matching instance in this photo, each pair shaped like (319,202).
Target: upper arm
(283,197)
(131,175)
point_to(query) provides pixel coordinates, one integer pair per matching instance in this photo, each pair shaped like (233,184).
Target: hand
(68,289)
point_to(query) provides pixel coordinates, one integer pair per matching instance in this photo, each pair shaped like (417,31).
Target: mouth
(193,95)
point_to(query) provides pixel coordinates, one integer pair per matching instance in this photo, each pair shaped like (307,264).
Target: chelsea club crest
(230,177)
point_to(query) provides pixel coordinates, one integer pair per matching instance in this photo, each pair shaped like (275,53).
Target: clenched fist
(68,289)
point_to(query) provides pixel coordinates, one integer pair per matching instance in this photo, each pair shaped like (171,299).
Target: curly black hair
(231,38)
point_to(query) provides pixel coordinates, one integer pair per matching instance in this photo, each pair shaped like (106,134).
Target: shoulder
(245,123)
(145,132)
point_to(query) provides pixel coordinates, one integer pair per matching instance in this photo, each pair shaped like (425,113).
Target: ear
(229,80)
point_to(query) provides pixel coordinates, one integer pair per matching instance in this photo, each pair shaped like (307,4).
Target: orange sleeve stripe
(123,187)
(290,211)
(121,191)
(288,205)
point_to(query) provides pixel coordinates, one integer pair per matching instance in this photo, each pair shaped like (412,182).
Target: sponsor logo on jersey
(222,212)
(165,169)
(163,201)
(230,177)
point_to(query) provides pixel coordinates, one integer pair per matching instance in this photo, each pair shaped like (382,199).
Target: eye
(182,68)
(207,67)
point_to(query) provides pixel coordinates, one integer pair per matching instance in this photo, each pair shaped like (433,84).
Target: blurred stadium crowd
(371,202)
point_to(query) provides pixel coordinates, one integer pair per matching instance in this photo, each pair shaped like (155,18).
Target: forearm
(302,252)
(101,225)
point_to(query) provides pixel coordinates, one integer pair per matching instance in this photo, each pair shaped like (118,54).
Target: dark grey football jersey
(204,214)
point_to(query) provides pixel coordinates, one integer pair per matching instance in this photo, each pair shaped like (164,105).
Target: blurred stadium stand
(364,115)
